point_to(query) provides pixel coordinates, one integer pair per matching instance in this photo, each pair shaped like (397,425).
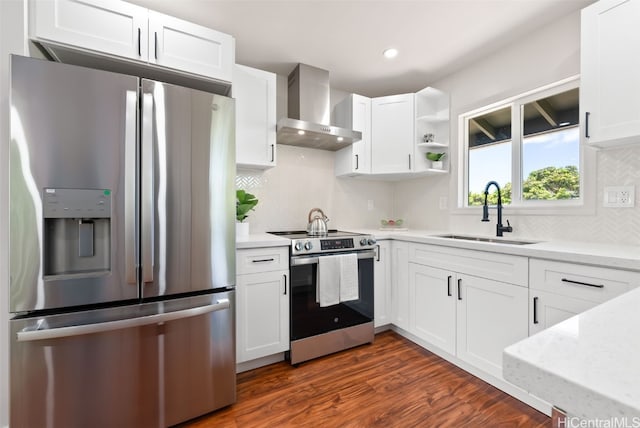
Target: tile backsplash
(304,179)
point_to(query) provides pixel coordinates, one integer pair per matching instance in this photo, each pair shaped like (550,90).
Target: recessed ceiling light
(301,132)
(390,53)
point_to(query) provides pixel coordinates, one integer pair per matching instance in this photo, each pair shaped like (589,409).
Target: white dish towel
(349,277)
(337,279)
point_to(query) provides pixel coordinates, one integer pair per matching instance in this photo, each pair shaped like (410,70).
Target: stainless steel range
(317,329)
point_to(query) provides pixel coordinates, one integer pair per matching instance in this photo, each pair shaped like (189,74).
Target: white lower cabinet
(400,284)
(548,309)
(466,316)
(262,303)
(560,290)
(382,284)
(433,306)
(490,316)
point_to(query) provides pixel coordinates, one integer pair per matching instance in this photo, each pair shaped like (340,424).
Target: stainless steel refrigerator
(122,249)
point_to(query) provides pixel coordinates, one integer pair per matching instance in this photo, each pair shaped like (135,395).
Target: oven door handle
(312,260)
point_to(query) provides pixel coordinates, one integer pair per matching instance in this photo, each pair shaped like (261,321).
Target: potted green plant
(245,202)
(436,159)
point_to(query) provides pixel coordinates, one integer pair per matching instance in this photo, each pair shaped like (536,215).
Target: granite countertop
(587,365)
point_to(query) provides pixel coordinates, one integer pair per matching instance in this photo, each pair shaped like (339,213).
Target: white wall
(304,179)
(546,56)
(12,40)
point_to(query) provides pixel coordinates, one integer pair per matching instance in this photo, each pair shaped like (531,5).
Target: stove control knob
(363,241)
(298,246)
(371,241)
(308,245)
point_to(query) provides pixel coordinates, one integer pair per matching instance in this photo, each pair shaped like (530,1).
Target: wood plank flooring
(391,383)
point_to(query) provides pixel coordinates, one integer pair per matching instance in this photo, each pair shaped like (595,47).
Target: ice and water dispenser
(77,224)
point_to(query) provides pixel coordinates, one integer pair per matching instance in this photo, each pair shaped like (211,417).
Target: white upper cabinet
(115,28)
(392,134)
(610,82)
(354,112)
(120,29)
(189,47)
(255,94)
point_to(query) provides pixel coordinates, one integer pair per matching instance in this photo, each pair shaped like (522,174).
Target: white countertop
(261,240)
(608,255)
(588,365)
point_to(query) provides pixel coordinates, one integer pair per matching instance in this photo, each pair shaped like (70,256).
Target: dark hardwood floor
(392,383)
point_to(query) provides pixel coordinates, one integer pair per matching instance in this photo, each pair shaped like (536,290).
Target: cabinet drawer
(499,267)
(255,260)
(592,283)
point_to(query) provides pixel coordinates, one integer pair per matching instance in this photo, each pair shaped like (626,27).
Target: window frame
(584,205)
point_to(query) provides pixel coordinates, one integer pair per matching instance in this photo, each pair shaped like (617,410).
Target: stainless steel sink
(484,239)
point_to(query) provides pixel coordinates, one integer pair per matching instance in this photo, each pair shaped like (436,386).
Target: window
(529,145)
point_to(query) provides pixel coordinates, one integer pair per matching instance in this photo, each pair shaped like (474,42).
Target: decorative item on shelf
(392,224)
(245,202)
(428,138)
(436,159)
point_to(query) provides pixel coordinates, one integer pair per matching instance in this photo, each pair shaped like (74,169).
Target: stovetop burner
(334,241)
(301,234)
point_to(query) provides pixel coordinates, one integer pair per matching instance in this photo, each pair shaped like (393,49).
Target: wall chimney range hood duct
(308,124)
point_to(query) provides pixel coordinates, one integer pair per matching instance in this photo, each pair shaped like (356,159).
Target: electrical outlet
(370,206)
(443,202)
(619,196)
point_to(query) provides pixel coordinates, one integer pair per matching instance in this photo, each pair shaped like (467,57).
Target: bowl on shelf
(391,224)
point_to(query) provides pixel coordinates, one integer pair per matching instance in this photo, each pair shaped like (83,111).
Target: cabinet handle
(586,124)
(459,288)
(155,48)
(409,162)
(139,41)
(378,250)
(285,284)
(273,153)
(570,281)
(262,260)
(357,162)
(535,310)
(449,286)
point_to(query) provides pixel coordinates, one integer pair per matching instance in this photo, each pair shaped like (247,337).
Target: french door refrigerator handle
(147,188)
(130,139)
(79,330)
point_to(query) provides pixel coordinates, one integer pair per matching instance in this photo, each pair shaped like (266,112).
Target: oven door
(308,318)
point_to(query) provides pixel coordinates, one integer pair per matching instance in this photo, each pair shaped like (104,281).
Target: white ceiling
(434,37)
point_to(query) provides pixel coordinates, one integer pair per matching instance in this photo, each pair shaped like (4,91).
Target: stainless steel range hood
(308,124)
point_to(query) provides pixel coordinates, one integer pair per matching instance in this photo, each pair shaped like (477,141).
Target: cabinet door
(400,283)
(114,27)
(548,309)
(432,308)
(392,131)
(490,316)
(255,94)
(610,82)
(382,284)
(355,113)
(262,320)
(189,47)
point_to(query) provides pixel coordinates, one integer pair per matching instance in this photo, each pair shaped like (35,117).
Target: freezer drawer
(124,367)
